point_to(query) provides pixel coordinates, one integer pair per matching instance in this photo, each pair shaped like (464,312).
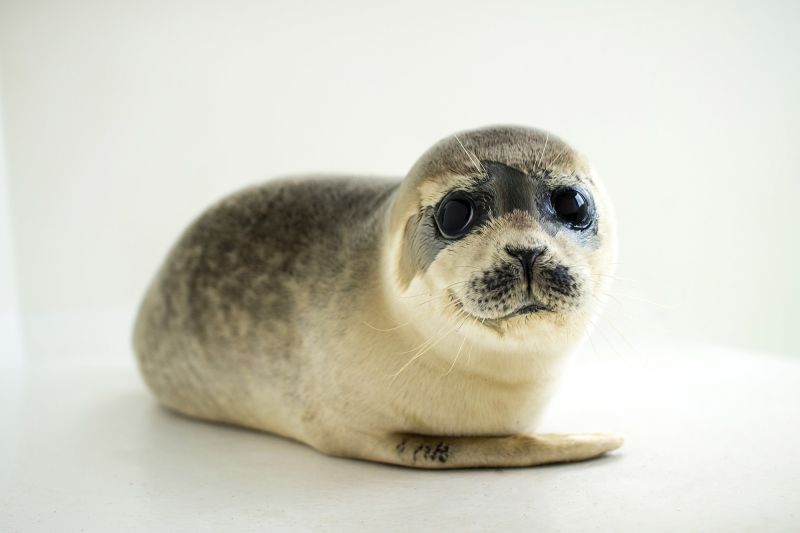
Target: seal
(420,322)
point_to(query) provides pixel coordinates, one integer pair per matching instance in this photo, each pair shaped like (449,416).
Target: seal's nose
(527,257)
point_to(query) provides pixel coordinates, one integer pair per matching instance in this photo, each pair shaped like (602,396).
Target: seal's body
(419,322)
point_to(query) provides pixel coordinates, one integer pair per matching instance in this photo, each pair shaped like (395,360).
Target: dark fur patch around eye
(510,190)
(421,245)
(503,191)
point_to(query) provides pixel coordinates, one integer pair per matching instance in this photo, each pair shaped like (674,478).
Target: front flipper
(421,451)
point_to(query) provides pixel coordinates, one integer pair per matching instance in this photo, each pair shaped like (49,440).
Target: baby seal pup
(419,322)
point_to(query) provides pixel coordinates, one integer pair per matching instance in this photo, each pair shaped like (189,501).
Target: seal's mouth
(529,308)
(525,310)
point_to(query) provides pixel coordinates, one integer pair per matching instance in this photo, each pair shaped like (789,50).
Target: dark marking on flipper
(401,447)
(441,452)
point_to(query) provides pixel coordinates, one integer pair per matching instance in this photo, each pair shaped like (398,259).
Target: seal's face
(509,228)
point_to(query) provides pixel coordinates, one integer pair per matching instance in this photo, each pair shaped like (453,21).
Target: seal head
(509,230)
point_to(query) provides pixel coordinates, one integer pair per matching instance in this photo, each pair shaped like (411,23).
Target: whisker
(386,329)
(458,353)
(415,295)
(638,299)
(432,299)
(591,343)
(455,283)
(424,343)
(618,332)
(614,277)
(444,292)
(559,156)
(423,352)
(541,156)
(596,327)
(473,158)
(469,353)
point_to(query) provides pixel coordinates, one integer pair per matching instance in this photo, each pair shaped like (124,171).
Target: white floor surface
(713,444)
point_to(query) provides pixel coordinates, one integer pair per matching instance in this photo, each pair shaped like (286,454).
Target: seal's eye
(572,207)
(455,215)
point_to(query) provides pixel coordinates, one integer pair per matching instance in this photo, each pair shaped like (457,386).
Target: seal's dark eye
(455,215)
(572,207)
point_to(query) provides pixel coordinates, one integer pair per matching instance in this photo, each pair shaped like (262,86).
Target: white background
(122,120)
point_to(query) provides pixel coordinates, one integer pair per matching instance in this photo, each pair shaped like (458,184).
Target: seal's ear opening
(408,263)
(421,244)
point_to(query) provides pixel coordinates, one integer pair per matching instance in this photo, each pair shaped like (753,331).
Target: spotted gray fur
(234,276)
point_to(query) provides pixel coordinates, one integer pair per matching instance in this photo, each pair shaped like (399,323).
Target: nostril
(526,256)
